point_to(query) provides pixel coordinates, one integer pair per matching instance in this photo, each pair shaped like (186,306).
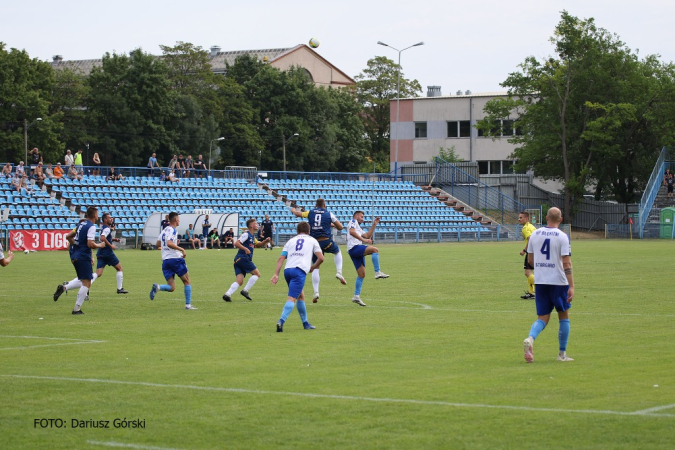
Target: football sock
(251,282)
(120,279)
(73,284)
(164,287)
(302,310)
(81,295)
(530,284)
(288,309)
(232,288)
(357,287)
(376,261)
(315,280)
(338,262)
(537,327)
(188,293)
(563,334)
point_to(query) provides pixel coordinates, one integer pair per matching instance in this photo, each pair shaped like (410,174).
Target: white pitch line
(124,445)
(343,397)
(648,411)
(75,342)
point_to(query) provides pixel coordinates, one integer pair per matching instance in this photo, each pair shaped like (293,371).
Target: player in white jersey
(4,262)
(298,253)
(173,262)
(358,252)
(550,254)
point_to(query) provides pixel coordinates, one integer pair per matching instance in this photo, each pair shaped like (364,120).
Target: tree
(131,108)
(376,86)
(69,93)
(26,87)
(587,115)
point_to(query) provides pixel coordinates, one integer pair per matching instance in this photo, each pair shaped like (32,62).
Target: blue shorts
(358,256)
(174,266)
(83,269)
(549,296)
(327,246)
(243,265)
(295,277)
(102,261)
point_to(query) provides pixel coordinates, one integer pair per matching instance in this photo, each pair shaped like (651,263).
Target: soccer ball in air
(314,43)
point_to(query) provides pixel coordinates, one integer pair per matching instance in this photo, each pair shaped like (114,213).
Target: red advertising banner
(38,240)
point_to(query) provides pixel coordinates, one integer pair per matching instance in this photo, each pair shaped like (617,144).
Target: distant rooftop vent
(433,91)
(57,58)
(459,92)
(214,50)
(467,93)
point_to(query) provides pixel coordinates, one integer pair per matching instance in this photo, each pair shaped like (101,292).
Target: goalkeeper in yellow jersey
(527,230)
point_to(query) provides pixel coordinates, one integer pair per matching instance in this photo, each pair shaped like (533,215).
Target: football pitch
(434,361)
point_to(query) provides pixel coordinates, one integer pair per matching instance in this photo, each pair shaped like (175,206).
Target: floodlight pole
(284,146)
(25,137)
(398,99)
(211,145)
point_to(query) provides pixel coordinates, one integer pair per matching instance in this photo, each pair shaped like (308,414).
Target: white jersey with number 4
(549,245)
(351,240)
(169,234)
(299,251)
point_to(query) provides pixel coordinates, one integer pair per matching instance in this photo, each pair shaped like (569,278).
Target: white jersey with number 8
(299,251)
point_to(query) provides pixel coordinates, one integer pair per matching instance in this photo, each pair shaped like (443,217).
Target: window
(495,167)
(483,167)
(420,129)
(504,127)
(507,127)
(459,128)
(507,167)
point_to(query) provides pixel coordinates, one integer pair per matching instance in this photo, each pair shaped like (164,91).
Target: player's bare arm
(241,247)
(567,267)
(319,261)
(280,262)
(337,225)
(363,239)
(5,261)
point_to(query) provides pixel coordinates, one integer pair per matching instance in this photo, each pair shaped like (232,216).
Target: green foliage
(593,114)
(131,106)
(26,88)
(376,86)
(448,155)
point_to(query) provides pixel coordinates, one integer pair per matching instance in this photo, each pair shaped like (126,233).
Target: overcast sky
(468,45)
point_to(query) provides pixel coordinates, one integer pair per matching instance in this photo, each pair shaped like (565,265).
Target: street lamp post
(284,146)
(211,145)
(25,137)
(398,99)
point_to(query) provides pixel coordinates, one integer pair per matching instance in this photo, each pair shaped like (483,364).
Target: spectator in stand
(172,177)
(49,173)
(228,238)
(97,165)
(214,238)
(58,171)
(7,171)
(190,237)
(173,163)
(180,166)
(162,176)
(20,169)
(39,175)
(199,166)
(73,174)
(113,176)
(152,163)
(20,181)
(35,156)
(669,181)
(69,160)
(78,162)
(189,166)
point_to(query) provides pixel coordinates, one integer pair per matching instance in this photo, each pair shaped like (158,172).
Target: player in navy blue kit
(106,255)
(243,260)
(81,256)
(320,222)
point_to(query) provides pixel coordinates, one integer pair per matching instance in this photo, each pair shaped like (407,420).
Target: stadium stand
(404,207)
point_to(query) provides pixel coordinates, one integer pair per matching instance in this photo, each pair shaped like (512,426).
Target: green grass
(434,361)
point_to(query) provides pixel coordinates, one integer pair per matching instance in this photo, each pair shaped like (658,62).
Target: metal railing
(651,190)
